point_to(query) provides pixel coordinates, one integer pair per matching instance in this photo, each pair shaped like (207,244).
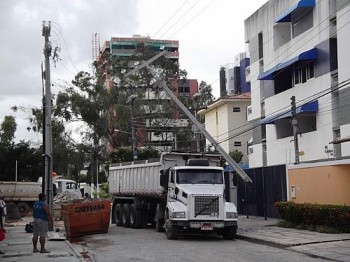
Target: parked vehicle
(181,192)
(24,194)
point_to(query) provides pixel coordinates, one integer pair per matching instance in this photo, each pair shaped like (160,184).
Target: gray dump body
(142,178)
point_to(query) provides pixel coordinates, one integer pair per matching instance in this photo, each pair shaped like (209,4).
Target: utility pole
(43,182)
(47,112)
(295,130)
(133,135)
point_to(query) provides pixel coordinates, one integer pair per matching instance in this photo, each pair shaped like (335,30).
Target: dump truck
(24,194)
(179,193)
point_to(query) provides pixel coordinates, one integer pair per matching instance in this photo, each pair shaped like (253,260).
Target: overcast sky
(210,32)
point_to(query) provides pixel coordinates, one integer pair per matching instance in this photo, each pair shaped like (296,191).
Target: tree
(236,155)
(23,158)
(7,131)
(205,96)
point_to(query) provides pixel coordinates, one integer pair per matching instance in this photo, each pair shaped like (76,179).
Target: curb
(75,251)
(262,242)
(284,246)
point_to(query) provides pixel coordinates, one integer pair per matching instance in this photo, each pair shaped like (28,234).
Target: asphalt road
(141,245)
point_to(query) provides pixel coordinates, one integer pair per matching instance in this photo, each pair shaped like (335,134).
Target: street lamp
(133,138)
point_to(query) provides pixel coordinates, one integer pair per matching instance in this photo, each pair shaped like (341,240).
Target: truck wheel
(135,217)
(229,233)
(118,215)
(23,208)
(171,231)
(144,218)
(159,225)
(126,215)
(159,220)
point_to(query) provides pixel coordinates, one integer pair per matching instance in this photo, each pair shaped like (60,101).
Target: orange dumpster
(86,218)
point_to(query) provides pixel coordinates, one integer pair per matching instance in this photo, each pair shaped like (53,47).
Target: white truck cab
(67,185)
(196,201)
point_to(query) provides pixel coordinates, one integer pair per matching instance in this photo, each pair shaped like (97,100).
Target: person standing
(42,218)
(2,218)
(3,211)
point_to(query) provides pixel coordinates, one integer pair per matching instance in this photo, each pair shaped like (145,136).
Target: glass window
(236,109)
(297,76)
(190,176)
(310,71)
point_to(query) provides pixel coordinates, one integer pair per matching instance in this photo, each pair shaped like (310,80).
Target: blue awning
(310,107)
(287,16)
(269,74)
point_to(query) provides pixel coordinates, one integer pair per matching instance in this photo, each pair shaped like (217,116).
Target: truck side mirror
(164,178)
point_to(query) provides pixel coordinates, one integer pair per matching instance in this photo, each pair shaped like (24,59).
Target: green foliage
(7,130)
(29,162)
(104,189)
(205,96)
(236,155)
(125,154)
(321,216)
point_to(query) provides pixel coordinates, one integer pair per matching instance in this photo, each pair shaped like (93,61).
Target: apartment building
(226,121)
(233,76)
(298,52)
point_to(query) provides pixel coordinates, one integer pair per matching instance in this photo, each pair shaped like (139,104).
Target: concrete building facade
(226,121)
(298,49)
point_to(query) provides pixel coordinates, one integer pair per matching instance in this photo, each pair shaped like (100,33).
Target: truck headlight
(231,215)
(179,214)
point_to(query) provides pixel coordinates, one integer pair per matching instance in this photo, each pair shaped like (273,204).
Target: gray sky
(210,32)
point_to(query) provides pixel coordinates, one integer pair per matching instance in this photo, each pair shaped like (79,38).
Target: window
(172,177)
(191,176)
(303,72)
(237,143)
(301,22)
(250,150)
(310,71)
(297,76)
(236,109)
(260,45)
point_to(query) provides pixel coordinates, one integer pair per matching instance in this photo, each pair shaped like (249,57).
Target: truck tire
(160,225)
(229,233)
(171,231)
(126,215)
(144,218)
(118,215)
(135,217)
(23,208)
(159,220)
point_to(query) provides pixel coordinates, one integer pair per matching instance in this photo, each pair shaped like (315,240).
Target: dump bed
(142,178)
(20,191)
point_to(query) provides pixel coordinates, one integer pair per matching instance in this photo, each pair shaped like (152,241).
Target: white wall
(280,151)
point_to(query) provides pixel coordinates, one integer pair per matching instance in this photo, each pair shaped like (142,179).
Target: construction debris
(63,198)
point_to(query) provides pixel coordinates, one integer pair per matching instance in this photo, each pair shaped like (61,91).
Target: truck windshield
(188,176)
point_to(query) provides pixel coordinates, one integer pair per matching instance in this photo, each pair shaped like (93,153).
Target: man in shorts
(42,217)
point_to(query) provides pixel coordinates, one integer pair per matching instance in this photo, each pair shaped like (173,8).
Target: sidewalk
(18,245)
(334,247)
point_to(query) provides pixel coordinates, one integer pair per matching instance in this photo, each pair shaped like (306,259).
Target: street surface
(140,245)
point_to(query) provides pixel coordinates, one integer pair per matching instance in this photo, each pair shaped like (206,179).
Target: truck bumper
(204,225)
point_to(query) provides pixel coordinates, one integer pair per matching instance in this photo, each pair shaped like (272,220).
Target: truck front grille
(206,205)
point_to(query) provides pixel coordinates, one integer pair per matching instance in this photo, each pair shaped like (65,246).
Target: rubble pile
(65,197)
